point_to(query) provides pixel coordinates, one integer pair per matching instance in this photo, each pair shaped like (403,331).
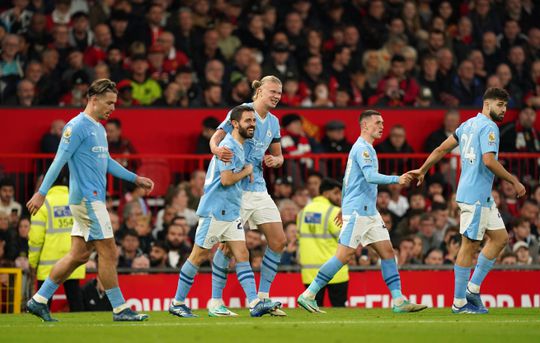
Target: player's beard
(245,133)
(495,116)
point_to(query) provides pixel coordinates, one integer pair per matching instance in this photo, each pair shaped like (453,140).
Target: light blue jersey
(223,202)
(266,133)
(84,147)
(361,180)
(476,136)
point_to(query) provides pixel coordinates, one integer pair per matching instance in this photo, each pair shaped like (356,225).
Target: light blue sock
(461,277)
(481,270)
(325,274)
(247,280)
(115,297)
(47,289)
(185,280)
(391,277)
(220,266)
(269,269)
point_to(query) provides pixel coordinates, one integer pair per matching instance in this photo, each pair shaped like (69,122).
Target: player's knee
(242,255)
(278,243)
(80,258)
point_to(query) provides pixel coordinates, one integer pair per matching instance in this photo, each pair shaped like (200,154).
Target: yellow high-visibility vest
(49,238)
(318,239)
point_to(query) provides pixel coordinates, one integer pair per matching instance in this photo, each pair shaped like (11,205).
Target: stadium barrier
(167,169)
(502,288)
(11,290)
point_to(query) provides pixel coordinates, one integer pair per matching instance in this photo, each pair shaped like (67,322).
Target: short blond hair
(256,84)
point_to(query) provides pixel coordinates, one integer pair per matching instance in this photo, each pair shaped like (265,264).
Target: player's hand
(520,189)
(405,179)
(272,161)
(418,175)
(248,169)
(145,183)
(338,220)
(224,154)
(35,203)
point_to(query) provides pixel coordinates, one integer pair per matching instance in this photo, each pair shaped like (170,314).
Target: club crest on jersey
(67,132)
(366,155)
(491,138)
(269,133)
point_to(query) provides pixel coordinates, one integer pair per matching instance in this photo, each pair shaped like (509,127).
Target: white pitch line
(192,322)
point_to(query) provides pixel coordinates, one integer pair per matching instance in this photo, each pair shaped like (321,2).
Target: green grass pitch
(338,325)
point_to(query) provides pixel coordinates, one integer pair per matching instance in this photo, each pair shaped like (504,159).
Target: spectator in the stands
(511,35)
(145,89)
(398,204)
(313,182)
(125,94)
(174,58)
(434,257)
(450,124)
(280,63)
(76,97)
(493,55)
(26,94)
(97,52)
(521,135)
(240,91)
(521,232)
(195,188)
(51,140)
(522,253)
(129,244)
(209,126)
(144,231)
(283,188)
(396,143)
(294,140)
(172,97)
(159,255)
(175,239)
(190,91)
(466,87)
(320,97)
(118,144)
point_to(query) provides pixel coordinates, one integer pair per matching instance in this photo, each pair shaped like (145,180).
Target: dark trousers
(73,295)
(337,292)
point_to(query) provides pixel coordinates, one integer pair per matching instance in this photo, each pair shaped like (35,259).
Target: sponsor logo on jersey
(99,149)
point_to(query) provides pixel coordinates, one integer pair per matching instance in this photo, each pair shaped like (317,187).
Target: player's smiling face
(270,94)
(246,126)
(104,105)
(497,109)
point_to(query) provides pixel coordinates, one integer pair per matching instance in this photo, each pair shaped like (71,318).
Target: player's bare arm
(229,178)
(448,145)
(496,168)
(275,159)
(223,153)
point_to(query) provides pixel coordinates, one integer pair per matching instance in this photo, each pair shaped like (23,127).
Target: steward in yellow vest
(49,240)
(318,241)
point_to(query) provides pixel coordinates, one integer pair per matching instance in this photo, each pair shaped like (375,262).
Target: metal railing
(167,169)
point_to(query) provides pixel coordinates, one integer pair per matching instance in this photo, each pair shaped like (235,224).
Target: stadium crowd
(202,53)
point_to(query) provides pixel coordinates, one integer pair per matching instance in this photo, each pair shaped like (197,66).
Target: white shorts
(363,230)
(91,221)
(211,231)
(475,220)
(258,208)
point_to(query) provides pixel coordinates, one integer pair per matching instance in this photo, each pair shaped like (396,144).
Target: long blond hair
(256,84)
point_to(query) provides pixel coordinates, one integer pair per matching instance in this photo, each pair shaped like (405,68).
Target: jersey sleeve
(72,137)
(117,170)
(489,139)
(457,133)
(277,132)
(223,166)
(366,160)
(226,125)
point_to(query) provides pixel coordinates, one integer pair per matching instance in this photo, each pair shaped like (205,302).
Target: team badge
(67,132)
(491,138)
(269,133)
(366,154)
